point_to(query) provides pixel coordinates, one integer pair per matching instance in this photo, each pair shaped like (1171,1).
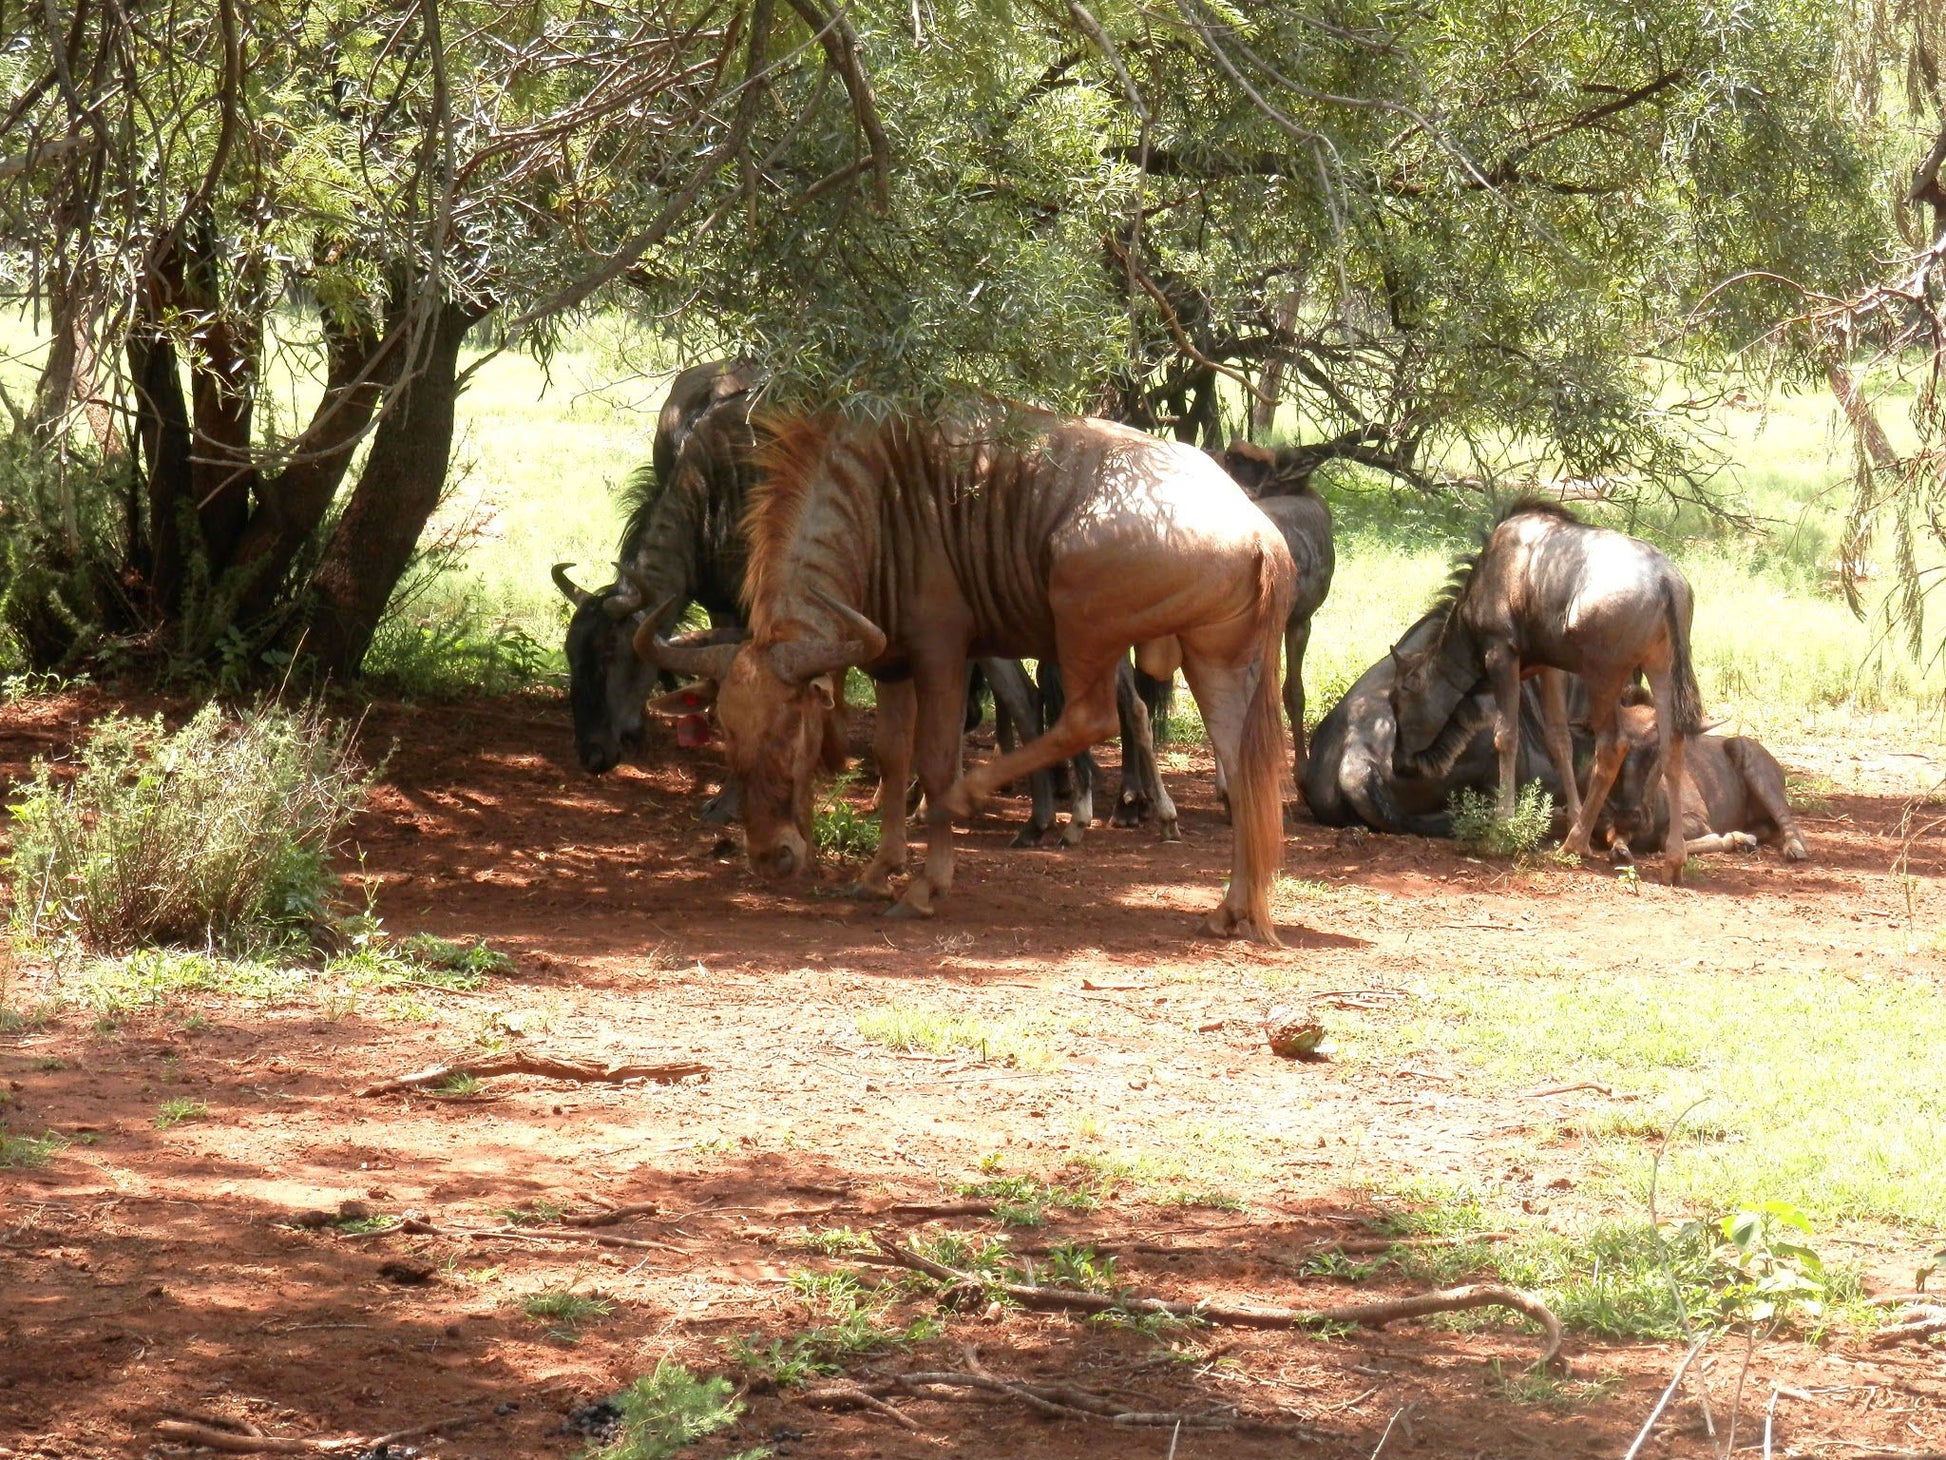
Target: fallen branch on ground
(1661,1404)
(1598,1088)
(488,1066)
(1919,1320)
(612,1215)
(234,1442)
(1365,1315)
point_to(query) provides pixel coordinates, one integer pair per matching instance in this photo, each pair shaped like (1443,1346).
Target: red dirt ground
(153,1273)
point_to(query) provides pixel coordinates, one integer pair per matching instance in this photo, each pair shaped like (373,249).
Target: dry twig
(530,1064)
(1655,1414)
(1365,1315)
(234,1443)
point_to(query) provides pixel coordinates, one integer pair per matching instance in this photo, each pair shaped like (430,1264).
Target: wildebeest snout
(786,859)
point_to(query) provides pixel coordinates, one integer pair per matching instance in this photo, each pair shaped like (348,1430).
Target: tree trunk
(162,428)
(395,496)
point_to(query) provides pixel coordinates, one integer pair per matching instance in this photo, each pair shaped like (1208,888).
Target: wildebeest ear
(825,690)
(1249,464)
(691,699)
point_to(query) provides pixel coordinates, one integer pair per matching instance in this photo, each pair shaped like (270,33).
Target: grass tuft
(565,1311)
(1479,827)
(179,1111)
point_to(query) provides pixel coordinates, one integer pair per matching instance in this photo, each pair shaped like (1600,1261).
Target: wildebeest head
(1637,796)
(777,707)
(607,683)
(1262,472)
(1431,727)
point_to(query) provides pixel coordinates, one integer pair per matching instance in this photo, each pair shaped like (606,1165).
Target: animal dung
(1294,1034)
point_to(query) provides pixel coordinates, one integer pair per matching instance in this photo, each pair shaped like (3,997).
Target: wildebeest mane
(786,462)
(1454,588)
(640,492)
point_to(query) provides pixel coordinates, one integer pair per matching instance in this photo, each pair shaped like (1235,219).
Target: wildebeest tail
(1256,792)
(1686,708)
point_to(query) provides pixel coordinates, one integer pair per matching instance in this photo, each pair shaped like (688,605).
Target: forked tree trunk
(395,496)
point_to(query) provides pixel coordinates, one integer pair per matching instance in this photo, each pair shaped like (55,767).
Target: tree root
(1365,1315)
(235,1442)
(547,1068)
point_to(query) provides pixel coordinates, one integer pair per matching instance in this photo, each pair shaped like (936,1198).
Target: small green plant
(366,1225)
(538,1213)
(179,1110)
(668,1410)
(215,834)
(838,828)
(28,1151)
(1479,827)
(458,1087)
(1078,1265)
(855,1328)
(1524,1386)
(834,1241)
(565,1311)
(1022,1201)
(1769,1273)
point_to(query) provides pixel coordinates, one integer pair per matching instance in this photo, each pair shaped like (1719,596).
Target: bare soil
(148,1273)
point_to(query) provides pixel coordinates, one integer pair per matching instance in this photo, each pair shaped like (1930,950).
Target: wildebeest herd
(936,555)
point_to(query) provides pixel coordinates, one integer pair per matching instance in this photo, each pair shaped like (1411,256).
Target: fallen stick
(1598,1088)
(1667,1394)
(1365,1315)
(839,1396)
(528,1064)
(1918,1321)
(612,1215)
(233,1443)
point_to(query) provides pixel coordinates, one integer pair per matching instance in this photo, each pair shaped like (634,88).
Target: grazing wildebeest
(1350,779)
(1552,596)
(1733,794)
(680,542)
(909,546)
(1279,482)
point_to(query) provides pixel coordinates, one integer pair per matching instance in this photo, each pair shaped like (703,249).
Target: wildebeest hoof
(1620,855)
(1794,850)
(1132,810)
(1171,832)
(1673,874)
(719,810)
(1028,836)
(1072,833)
(864,891)
(1741,841)
(905,912)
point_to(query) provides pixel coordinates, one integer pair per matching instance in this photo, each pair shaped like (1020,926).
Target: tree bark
(292,503)
(222,394)
(396,494)
(162,428)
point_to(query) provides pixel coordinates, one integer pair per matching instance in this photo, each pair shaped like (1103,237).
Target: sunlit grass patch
(566,1312)
(857,1324)
(1816,1088)
(1024,1201)
(1021,1040)
(28,1152)
(179,1111)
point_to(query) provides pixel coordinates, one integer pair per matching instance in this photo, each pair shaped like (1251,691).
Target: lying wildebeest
(1733,793)
(680,542)
(908,546)
(1279,482)
(1350,778)
(1550,595)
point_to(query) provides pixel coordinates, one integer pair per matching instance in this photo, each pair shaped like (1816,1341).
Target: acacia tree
(1460,240)
(205,197)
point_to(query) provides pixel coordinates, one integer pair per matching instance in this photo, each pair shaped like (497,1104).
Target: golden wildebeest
(907,546)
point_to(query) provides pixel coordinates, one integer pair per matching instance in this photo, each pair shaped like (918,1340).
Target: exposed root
(233,1442)
(853,1396)
(1366,1315)
(488,1066)
(613,1215)
(1918,1320)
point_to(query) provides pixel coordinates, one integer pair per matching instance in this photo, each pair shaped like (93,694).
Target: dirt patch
(150,1272)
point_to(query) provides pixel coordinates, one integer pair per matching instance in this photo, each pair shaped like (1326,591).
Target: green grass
(28,1152)
(179,1111)
(1023,1201)
(857,1324)
(1821,1089)
(566,1312)
(669,1410)
(1022,1040)
(1478,825)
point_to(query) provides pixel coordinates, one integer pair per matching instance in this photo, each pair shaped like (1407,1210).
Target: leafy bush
(217,834)
(1479,827)
(665,1411)
(59,547)
(839,828)
(447,649)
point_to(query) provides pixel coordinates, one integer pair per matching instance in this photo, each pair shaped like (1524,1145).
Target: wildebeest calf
(1733,793)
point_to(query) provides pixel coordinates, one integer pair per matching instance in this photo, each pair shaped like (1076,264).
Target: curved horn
(629,596)
(706,658)
(800,660)
(570,590)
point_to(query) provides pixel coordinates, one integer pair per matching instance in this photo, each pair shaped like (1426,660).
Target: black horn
(629,596)
(800,660)
(570,590)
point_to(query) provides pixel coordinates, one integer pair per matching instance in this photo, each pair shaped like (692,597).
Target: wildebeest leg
(936,747)
(725,807)
(1297,638)
(1610,750)
(1081,811)
(1142,792)
(1503,669)
(1763,782)
(1087,718)
(892,744)
(1662,685)
(1729,841)
(1239,701)
(1015,697)
(1560,743)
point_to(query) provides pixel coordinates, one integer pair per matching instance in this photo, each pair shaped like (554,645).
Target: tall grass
(216,834)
